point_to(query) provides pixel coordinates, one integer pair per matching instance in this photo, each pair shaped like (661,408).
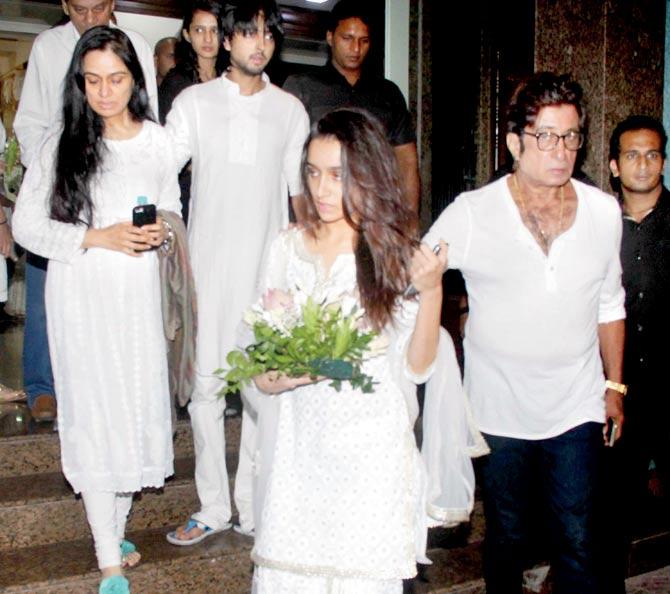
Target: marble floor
(15,420)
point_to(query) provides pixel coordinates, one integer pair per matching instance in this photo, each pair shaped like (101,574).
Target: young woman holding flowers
(103,293)
(342,510)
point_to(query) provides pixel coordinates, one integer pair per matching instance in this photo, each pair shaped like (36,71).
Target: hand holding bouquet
(304,336)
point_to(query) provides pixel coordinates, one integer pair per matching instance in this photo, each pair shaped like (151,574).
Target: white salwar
(245,153)
(104,319)
(345,505)
(41,100)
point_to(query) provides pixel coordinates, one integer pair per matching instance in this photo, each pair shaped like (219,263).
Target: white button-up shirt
(532,360)
(41,100)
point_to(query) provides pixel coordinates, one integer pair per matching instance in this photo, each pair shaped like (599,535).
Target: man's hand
(614,411)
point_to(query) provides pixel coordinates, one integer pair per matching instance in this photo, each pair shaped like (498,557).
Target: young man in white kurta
(246,149)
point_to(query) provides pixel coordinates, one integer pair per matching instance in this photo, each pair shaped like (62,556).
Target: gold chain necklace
(532,217)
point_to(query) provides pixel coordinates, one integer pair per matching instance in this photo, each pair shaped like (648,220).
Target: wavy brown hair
(374,206)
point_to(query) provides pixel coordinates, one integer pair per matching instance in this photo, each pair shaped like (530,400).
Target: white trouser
(4,285)
(4,281)
(259,431)
(211,475)
(107,513)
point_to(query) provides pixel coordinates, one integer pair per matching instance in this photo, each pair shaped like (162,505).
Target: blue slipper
(207,531)
(115,584)
(127,548)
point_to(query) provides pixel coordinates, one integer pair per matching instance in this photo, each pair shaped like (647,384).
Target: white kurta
(104,319)
(345,487)
(42,93)
(246,151)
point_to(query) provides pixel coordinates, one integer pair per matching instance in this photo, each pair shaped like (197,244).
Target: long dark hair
(185,56)
(374,206)
(80,149)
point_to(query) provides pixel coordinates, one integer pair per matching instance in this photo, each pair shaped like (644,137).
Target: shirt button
(641,359)
(639,258)
(639,327)
(640,295)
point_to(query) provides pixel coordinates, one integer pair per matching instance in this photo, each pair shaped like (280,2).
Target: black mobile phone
(144,214)
(611,432)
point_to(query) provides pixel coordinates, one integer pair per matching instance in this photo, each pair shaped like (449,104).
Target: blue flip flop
(207,532)
(127,548)
(115,584)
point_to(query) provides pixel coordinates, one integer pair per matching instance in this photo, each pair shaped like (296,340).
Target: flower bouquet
(298,334)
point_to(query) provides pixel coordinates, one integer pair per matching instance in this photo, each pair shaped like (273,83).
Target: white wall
(152,28)
(396,46)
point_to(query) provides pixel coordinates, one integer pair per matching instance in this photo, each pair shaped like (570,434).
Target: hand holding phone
(611,432)
(410,291)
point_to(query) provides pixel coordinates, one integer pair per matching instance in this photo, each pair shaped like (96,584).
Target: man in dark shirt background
(637,156)
(345,82)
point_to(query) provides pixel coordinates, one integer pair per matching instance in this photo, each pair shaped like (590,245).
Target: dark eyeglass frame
(553,139)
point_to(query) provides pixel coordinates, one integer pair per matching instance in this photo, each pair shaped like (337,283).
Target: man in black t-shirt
(637,156)
(344,82)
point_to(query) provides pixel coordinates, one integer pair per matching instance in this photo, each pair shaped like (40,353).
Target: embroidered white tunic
(346,480)
(104,319)
(532,361)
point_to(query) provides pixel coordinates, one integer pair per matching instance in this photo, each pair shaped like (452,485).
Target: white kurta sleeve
(179,130)
(32,116)
(454,226)
(168,199)
(404,322)
(299,129)
(146,58)
(612,294)
(32,226)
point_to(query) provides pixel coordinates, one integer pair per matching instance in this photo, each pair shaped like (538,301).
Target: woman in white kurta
(344,496)
(103,294)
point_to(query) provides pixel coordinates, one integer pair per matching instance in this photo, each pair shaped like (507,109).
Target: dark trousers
(37,374)
(626,506)
(564,467)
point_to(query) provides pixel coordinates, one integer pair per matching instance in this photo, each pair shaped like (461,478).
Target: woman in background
(102,292)
(199,60)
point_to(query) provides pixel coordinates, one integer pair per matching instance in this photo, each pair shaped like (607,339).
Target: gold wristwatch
(621,388)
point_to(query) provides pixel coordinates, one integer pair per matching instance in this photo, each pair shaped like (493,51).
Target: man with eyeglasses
(637,156)
(543,345)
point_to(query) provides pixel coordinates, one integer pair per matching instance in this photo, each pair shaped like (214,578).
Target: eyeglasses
(548,141)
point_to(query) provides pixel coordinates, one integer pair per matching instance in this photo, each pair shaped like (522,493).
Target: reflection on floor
(15,417)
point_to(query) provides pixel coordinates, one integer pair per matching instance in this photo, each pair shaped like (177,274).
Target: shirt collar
(234,89)
(335,75)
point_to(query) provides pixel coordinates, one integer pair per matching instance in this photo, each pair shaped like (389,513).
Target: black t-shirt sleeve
(173,84)
(401,130)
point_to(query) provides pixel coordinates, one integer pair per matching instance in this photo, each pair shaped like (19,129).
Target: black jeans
(565,467)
